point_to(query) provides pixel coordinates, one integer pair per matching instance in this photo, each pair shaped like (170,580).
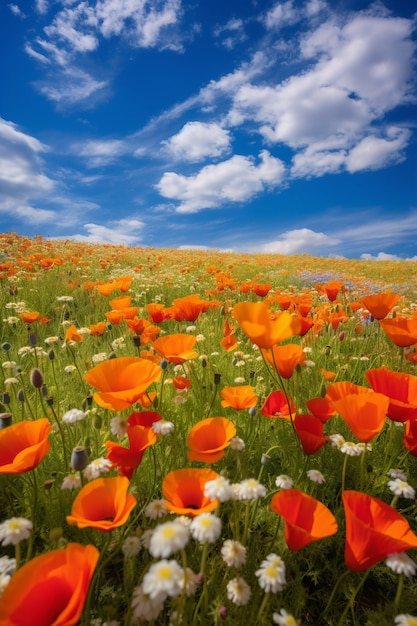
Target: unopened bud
(5,420)
(32,339)
(79,458)
(163,364)
(36,378)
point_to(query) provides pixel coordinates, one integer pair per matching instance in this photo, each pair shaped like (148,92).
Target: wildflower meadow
(195,437)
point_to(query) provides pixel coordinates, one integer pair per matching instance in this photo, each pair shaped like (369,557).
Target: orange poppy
(183,490)
(321,408)
(72,334)
(122,381)
(285,358)
(401,331)
(157,312)
(189,308)
(118,315)
(61,576)
(176,348)
(24,445)
(310,432)
(181,382)
(264,329)
(261,289)
(401,390)
(96,330)
(374,530)
(239,398)
(229,341)
(380,304)
(306,519)
(128,459)
(410,436)
(209,438)
(29,317)
(121,302)
(102,504)
(363,410)
(332,288)
(276,405)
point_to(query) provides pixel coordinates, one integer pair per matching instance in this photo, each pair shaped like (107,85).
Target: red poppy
(50,589)
(380,304)
(285,358)
(401,390)
(143,418)
(239,398)
(263,328)
(410,436)
(102,504)
(276,405)
(306,519)
(321,408)
(157,312)
(310,432)
(209,438)
(24,445)
(401,330)
(122,381)
(181,382)
(373,531)
(176,348)
(128,459)
(183,490)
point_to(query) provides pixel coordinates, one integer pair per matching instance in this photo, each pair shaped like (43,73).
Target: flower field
(193,437)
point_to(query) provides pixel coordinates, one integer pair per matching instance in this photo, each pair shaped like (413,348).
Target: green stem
(350,604)
(399,592)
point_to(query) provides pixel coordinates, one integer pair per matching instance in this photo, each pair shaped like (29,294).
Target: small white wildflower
(316,476)
(337,440)
(284,482)
(144,607)
(84,331)
(401,563)
(146,537)
(12,320)
(309,363)
(9,365)
(4,581)
(11,381)
(52,340)
(156,509)
(131,546)
(189,581)
(206,528)
(233,553)
(219,489)
(14,530)
(271,574)
(163,577)
(72,416)
(118,426)
(402,488)
(99,358)
(64,298)
(351,449)
(163,427)
(167,539)
(7,565)
(250,489)
(118,343)
(190,329)
(397,473)
(284,619)
(97,467)
(69,369)
(72,481)
(238,591)
(405,620)
(200,338)
(236,443)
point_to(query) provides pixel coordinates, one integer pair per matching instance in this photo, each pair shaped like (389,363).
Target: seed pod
(79,458)
(36,378)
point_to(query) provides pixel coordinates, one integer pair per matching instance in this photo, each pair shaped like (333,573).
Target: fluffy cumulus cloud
(299,241)
(238,179)
(196,141)
(22,179)
(124,231)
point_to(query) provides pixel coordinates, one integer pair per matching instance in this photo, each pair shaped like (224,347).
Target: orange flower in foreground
(30,316)
(209,438)
(189,308)
(332,288)
(128,459)
(321,408)
(276,405)
(285,358)
(401,331)
(176,348)
(24,445)
(401,390)
(72,334)
(183,490)
(306,519)
(102,504)
(310,432)
(239,398)
(380,304)
(51,589)
(363,410)
(122,381)
(373,531)
(264,329)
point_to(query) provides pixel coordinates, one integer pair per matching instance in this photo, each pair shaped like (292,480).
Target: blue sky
(254,126)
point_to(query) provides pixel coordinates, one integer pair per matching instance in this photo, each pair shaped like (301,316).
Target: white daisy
(168,538)
(72,416)
(238,591)
(401,487)
(219,489)
(206,528)
(284,482)
(97,467)
(233,553)
(401,563)
(144,607)
(14,530)
(271,574)
(163,577)
(250,489)
(156,509)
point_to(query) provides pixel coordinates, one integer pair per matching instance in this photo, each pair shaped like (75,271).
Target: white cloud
(299,241)
(381,256)
(125,232)
(375,152)
(282,14)
(72,86)
(197,141)
(238,179)
(100,152)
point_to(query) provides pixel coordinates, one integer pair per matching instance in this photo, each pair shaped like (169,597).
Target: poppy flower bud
(79,458)
(6,398)
(163,364)
(342,335)
(21,395)
(204,362)
(32,339)
(265,459)
(252,411)
(36,378)
(49,401)
(136,341)
(51,355)
(6,346)
(5,420)
(217,377)
(44,390)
